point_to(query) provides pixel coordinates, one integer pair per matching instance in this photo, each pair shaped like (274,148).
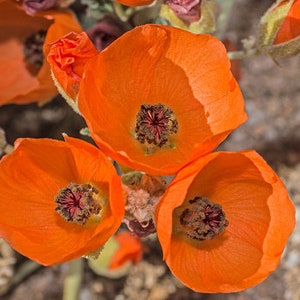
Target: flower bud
(67,58)
(188,11)
(197,16)
(105,31)
(117,256)
(279,31)
(33,6)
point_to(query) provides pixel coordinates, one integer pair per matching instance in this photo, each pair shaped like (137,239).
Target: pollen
(201,219)
(77,203)
(154,124)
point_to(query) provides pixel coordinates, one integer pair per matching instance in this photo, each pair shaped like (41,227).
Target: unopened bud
(279,30)
(197,16)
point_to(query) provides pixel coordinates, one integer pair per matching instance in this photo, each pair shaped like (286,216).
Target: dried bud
(188,11)
(33,6)
(197,16)
(142,193)
(279,31)
(105,32)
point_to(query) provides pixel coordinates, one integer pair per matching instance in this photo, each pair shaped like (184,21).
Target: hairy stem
(73,280)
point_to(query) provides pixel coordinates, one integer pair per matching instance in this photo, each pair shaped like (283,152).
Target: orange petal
(154,66)
(31,177)
(67,58)
(130,250)
(135,2)
(260,214)
(18,85)
(235,63)
(290,28)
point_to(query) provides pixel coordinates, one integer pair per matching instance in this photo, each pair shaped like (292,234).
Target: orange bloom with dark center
(135,2)
(25,75)
(60,200)
(159,97)
(290,28)
(224,221)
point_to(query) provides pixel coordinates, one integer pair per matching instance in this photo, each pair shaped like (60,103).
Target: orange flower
(290,28)
(25,76)
(159,97)
(224,222)
(60,200)
(67,58)
(130,250)
(135,2)
(120,252)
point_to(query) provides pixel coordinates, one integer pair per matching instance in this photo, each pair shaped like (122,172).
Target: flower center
(33,50)
(202,219)
(78,202)
(154,124)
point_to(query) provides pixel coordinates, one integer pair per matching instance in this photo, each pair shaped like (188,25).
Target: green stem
(73,280)
(5,148)
(26,269)
(8,149)
(226,8)
(243,54)
(122,14)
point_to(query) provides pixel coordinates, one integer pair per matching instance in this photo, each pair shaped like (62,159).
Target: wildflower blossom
(118,255)
(224,222)
(60,200)
(154,103)
(25,75)
(130,250)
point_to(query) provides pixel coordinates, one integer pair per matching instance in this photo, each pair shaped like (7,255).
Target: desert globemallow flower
(223,222)
(279,30)
(159,97)
(25,74)
(59,199)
